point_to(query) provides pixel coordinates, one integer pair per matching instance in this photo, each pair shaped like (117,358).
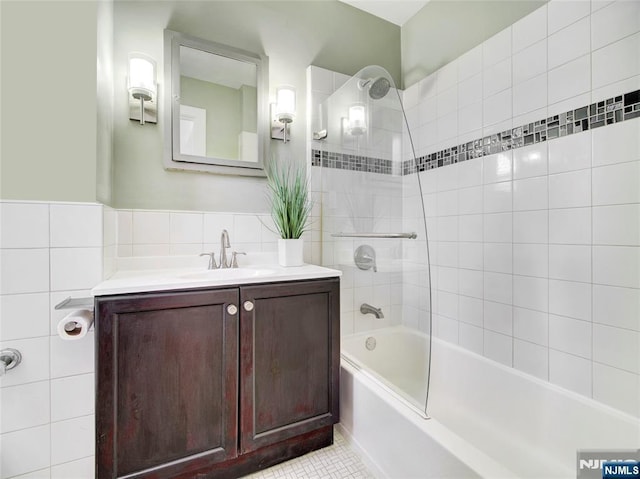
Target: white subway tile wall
(547,252)
(562,14)
(49,251)
(75,469)
(26,450)
(530,62)
(165,233)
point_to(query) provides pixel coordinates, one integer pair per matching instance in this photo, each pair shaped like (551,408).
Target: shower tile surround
(356,166)
(533,216)
(603,113)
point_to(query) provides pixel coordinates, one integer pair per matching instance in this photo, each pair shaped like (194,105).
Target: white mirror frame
(173,159)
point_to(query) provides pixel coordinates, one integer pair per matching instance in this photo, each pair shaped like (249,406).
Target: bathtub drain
(370,343)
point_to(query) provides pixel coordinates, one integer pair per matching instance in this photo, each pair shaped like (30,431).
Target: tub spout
(368,309)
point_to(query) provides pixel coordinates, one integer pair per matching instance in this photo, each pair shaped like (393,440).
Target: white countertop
(147,280)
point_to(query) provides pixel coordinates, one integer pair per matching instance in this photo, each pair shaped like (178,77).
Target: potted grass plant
(290,209)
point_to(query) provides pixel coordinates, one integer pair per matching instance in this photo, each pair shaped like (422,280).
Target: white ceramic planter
(290,252)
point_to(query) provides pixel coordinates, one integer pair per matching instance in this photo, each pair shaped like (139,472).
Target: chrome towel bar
(375,235)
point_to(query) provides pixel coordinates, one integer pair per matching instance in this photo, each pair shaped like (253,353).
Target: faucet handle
(212,260)
(234,259)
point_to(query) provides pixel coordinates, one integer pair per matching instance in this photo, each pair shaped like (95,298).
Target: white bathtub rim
(476,460)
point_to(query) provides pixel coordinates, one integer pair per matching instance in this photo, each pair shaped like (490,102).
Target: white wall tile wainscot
(534,205)
(165,233)
(48,251)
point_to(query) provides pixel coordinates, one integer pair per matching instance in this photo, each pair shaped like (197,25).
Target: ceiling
(394,11)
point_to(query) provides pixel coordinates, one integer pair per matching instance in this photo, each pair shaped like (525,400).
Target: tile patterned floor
(338,461)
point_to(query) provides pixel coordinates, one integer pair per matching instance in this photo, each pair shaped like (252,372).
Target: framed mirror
(216,107)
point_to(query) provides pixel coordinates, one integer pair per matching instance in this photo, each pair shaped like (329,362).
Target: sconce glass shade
(285,110)
(142,76)
(142,88)
(357,119)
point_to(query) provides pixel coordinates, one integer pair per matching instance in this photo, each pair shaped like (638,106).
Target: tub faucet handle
(365,258)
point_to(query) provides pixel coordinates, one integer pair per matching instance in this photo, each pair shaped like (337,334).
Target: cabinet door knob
(248,306)
(232,309)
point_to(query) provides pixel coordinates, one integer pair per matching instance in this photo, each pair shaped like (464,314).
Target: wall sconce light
(283,111)
(142,88)
(357,120)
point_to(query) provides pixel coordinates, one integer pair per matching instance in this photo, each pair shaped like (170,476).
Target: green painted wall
(445,29)
(293,34)
(224,119)
(249,107)
(48,97)
(104,103)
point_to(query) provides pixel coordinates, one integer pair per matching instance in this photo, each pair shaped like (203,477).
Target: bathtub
(484,419)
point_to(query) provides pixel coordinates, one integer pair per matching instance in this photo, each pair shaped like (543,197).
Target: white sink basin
(229,273)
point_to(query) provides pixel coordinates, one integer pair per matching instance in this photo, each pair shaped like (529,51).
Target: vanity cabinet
(216,382)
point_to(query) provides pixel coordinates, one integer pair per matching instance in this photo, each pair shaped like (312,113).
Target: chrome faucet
(224,244)
(224,262)
(368,309)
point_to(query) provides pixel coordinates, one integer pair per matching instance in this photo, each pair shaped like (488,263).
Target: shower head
(377,87)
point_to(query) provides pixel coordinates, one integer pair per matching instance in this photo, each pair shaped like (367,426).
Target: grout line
(49,340)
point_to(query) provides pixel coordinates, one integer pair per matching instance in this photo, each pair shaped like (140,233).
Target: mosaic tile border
(345,161)
(607,112)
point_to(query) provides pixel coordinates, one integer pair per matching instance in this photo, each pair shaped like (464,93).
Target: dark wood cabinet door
(289,360)
(167,387)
